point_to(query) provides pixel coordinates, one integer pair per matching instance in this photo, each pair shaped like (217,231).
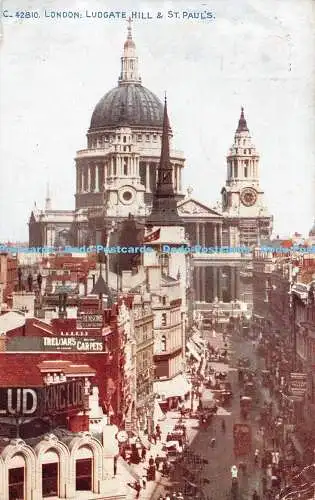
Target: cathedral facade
(116,178)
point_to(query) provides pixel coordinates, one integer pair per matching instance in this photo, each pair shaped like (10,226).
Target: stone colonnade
(213,281)
(91,175)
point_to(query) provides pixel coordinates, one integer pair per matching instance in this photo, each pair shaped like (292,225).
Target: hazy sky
(256,53)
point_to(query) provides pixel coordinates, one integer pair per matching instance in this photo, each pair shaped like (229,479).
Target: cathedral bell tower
(242,197)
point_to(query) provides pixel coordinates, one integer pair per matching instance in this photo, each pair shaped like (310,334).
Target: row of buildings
(284,306)
(91,359)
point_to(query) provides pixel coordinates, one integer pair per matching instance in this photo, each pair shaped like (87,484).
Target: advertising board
(42,401)
(51,344)
(298,383)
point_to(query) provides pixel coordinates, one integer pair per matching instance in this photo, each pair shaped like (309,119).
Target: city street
(221,457)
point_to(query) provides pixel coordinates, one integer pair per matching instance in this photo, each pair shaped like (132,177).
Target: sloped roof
(10,321)
(192,207)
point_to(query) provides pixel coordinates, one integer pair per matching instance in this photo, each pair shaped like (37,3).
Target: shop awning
(127,472)
(158,415)
(192,350)
(171,388)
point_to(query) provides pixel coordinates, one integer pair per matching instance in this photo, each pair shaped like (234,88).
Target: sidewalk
(166,425)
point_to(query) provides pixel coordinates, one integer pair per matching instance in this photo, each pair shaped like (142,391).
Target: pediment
(192,207)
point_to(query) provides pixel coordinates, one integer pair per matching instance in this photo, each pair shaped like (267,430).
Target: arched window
(163,343)
(50,474)
(83,469)
(163,321)
(17,477)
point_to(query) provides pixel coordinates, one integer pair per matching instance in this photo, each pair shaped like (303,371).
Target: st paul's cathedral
(116,178)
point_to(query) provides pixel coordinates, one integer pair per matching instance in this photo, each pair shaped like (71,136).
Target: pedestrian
(264,484)
(256,456)
(115,465)
(158,432)
(143,453)
(137,488)
(223,425)
(212,442)
(151,461)
(144,481)
(157,461)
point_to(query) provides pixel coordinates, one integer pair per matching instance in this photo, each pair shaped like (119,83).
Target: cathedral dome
(129,104)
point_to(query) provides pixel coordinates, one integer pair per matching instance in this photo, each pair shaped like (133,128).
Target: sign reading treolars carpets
(298,384)
(62,343)
(42,401)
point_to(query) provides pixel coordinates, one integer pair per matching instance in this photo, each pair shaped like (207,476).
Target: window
(249,151)
(139,137)
(164,260)
(125,148)
(164,301)
(124,139)
(245,151)
(106,138)
(147,138)
(125,169)
(163,343)
(50,480)
(84,474)
(118,137)
(16,483)
(163,322)
(154,137)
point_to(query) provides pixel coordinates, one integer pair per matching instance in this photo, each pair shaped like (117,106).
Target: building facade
(117,174)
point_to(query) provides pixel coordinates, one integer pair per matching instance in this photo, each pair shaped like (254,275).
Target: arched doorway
(17,481)
(84,469)
(50,474)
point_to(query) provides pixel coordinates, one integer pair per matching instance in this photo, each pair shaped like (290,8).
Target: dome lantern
(129,61)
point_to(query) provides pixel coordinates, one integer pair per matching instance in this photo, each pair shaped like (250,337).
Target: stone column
(203,234)
(237,283)
(89,178)
(179,179)
(203,284)
(215,235)
(232,282)
(198,233)
(82,178)
(173,175)
(220,235)
(219,283)
(215,282)
(147,177)
(97,187)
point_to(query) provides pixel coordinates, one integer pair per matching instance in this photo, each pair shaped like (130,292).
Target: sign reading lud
(42,401)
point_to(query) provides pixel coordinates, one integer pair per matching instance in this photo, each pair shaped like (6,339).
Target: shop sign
(85,321)
(42,401)
(298,383)
(52,344)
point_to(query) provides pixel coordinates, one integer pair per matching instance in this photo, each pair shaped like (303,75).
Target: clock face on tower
(248,197)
